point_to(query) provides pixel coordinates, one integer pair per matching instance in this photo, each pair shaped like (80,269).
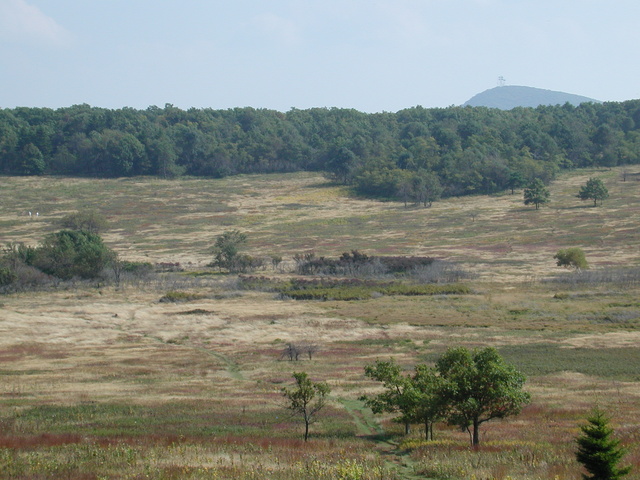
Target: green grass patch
(366,291)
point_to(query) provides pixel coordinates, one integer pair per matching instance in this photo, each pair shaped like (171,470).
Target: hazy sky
(371,55)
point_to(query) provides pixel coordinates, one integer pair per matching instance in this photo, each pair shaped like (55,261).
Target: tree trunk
(476,432)
(306,430)
(407,428)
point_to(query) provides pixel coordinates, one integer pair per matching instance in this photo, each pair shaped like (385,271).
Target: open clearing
(193,389)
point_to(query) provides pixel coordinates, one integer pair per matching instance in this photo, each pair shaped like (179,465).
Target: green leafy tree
(593,190)
(571,258)
(479,386)
(68,253)
(226,250)
(536,193)
(516,180)
(32,160)
(306,399)
(415,397)
(397,396)
(428,405)
(598,452)
(426,188)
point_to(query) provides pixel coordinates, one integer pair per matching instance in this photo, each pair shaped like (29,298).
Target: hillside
(105,381)
(285,214)
(512,96)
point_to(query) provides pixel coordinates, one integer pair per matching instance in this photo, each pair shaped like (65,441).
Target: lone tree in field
(306,399)
(537,193)
(598,452)
(571,258)
(479,386)
(226,250)
(594,190)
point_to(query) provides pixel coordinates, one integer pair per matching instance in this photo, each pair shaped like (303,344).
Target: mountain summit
(512,96)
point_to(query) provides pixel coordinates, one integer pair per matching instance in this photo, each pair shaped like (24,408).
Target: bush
(68,253)
(357,264)
(90,221)
(571,258)
(176,297)
(7,276)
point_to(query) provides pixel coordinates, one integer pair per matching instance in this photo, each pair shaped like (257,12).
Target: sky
(371,55)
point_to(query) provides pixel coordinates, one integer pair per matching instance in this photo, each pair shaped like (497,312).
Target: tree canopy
(465,388)
(594,190)
(479,386)
(460,150)
(536,193)
(306,398)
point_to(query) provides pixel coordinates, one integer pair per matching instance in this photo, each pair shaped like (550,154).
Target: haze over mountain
(512,96)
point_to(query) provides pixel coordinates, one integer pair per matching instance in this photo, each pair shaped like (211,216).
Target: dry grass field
(104,382)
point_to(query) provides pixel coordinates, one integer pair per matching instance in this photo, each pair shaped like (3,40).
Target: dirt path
(385,445)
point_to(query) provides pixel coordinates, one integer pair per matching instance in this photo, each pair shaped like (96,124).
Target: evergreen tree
(536,193)
(597,451)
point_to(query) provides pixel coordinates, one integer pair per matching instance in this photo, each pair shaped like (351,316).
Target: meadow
(99,382)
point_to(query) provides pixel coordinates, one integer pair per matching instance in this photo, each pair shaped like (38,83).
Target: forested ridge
(453,151)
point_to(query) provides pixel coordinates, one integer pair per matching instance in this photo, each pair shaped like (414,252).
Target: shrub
(68,253)
(571,258)
(175,297)
(90,221)
(7,276)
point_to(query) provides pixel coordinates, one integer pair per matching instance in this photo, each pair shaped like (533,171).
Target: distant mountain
(512,96)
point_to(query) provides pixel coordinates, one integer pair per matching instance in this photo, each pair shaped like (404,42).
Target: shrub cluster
(357,264)
(64,255)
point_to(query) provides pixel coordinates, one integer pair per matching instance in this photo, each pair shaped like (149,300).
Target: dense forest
(415,154)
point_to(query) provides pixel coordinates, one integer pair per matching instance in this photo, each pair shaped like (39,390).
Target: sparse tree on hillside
(306,399)
(598,452)
(593,190)
(536,193)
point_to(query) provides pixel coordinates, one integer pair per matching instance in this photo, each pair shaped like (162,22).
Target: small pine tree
(597,451)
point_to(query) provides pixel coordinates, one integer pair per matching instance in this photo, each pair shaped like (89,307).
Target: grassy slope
(117,366)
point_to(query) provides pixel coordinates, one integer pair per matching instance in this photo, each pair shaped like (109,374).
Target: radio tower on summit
(501,81)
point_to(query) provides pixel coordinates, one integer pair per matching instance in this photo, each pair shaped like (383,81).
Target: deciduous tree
(226,250)
(593,190)
(68,253)
(479,386)
(397,396)
(537,193)
(306,399)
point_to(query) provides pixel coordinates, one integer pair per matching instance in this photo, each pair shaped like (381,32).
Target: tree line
(414,155)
